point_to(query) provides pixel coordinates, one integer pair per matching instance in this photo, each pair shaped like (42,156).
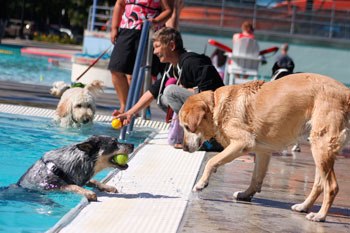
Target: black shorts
(124,53)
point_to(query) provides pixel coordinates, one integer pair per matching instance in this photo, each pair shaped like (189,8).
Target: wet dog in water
(71,167)
(77,104)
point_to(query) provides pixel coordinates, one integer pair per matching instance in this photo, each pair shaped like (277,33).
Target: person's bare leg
(129,76)
(121,86)
(173,21)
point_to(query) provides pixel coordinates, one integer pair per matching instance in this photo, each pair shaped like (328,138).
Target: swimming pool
(24,140)
(29,69)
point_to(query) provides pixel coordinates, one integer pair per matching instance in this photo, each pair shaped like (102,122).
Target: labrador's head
(196,117)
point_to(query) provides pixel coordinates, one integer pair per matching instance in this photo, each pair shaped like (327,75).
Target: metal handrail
(137,78)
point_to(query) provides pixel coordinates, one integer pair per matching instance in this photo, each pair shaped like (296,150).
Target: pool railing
(137,77)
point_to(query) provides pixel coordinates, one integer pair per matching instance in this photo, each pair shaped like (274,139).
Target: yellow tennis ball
(121,159)
(117,123)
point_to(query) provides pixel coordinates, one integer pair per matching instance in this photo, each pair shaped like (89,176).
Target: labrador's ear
(195,117)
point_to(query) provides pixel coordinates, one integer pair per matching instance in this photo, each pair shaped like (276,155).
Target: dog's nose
(85,121)
(185,147)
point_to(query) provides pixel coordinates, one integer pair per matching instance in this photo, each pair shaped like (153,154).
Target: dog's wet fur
(71,167)
(77,105)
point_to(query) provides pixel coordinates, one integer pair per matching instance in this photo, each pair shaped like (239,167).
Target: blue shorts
(124,53)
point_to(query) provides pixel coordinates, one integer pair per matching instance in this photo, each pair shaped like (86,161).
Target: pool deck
(155,192)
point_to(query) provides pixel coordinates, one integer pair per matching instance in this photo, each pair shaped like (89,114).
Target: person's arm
(143,102)
(167,10)
(235,37)
(118,11)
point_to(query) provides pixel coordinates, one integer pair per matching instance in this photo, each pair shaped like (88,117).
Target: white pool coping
(153,191)
(49,113)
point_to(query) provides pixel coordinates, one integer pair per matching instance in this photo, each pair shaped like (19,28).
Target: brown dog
(266,117)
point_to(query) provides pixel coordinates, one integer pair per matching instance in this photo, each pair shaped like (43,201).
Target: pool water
(23,140)
(29,69)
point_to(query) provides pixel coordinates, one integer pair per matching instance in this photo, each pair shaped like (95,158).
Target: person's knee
(118,75)
(169,91)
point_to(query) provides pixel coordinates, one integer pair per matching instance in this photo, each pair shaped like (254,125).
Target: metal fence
(224,14)
(228,15)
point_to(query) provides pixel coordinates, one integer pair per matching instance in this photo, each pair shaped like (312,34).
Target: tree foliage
(65,13)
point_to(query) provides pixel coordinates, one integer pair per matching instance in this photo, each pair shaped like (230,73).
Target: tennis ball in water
(116,123)
(121,159)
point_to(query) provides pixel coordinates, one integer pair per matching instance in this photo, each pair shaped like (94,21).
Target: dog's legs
(260,168)
(315,192)
(90,195)
(325,144)
(330,191)
(231,152)
(101,186)
(324,157)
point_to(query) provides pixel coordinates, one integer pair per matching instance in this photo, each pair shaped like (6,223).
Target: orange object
(116,123)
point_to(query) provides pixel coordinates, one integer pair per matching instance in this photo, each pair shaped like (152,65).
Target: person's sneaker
(211,146)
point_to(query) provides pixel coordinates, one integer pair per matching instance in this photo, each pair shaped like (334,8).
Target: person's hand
(114,34)
(116,112)
(124,117)
(154,23)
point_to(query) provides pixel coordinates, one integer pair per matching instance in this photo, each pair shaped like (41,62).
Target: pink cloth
(170,81)
(136,11)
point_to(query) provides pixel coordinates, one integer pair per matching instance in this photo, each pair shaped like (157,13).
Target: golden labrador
(266,117)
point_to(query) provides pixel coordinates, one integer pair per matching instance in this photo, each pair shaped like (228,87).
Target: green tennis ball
(121,159)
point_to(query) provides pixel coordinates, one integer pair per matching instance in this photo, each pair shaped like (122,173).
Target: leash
(93,63)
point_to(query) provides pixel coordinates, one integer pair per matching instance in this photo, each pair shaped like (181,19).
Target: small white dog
(77,105)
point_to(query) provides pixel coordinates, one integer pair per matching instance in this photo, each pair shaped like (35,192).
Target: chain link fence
(289,20)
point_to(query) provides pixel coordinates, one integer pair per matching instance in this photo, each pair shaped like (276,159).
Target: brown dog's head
(196,117)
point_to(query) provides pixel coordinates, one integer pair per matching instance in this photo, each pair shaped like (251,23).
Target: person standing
(127,22)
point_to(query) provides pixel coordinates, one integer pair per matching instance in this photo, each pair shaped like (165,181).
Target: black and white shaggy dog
(71,167)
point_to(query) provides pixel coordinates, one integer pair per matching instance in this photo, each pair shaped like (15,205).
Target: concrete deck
(288,181)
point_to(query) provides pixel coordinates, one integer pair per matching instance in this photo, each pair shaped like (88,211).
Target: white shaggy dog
(77,105)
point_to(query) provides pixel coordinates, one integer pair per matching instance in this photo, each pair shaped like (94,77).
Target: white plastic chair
(244,60)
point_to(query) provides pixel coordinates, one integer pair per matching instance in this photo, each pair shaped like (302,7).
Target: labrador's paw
(299,208)
(200,186)
(242,196)
(316,217)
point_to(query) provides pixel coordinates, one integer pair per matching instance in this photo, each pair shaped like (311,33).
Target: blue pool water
(29,69)
(23,140)
(328,61)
